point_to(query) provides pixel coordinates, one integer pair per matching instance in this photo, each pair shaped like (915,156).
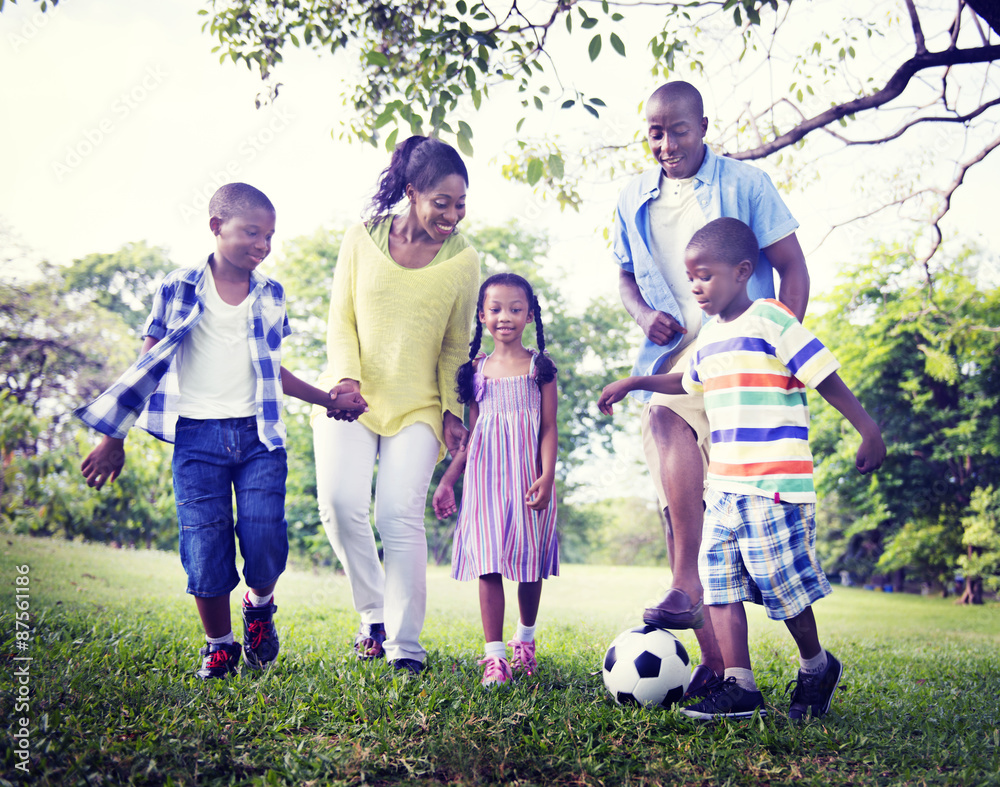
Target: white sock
(815,665)
(496,649)
(524,633)
(259,601)
(744,678)
(225,639)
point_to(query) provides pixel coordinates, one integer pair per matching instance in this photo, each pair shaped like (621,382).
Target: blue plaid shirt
(147,394)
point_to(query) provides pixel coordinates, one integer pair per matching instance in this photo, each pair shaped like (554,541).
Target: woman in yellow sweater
(404,295)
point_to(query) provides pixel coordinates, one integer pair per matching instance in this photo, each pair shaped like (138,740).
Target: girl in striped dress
(507,524)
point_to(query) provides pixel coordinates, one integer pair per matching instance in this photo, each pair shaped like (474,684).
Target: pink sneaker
(524,657)
(497,671)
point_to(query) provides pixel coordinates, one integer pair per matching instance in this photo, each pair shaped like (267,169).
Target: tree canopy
(799,72)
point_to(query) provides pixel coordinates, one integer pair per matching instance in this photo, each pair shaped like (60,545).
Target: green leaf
(556,165)
(567,104)
(591,110)
(376,58)
(390,141)
(462,7)
(617,44)
(597,102)
(535,171)
(588,23)
(538,103)
(595,47)
(464,128)
(464,143)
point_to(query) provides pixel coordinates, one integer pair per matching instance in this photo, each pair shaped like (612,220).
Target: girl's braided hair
(545,369)
(421,162)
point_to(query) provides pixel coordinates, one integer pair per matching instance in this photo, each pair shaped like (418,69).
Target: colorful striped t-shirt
(753,372)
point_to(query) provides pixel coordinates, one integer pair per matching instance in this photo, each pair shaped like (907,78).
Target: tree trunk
(973,593)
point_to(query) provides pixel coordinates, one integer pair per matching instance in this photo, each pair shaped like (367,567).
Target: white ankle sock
(524,633)
(496,649)
(225,639)
(259,601)
(744,678)
(815,665)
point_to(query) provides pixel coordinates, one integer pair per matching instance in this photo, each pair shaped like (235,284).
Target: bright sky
(120,122)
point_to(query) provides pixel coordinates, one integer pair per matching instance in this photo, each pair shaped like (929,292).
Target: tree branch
(947,194)
(918,33)
(893,88)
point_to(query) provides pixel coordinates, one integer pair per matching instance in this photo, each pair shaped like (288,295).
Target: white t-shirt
(215,373)
(674,217)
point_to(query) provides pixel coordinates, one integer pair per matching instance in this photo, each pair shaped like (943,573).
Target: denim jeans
(212,459)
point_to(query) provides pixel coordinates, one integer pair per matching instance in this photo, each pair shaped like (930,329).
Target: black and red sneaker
(219,661)
(260,638)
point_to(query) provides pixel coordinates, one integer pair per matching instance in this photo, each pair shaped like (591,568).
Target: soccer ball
(647,666)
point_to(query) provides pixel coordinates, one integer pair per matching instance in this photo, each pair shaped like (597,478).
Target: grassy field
(112,698)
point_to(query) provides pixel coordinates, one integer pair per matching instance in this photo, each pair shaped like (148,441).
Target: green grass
(113,700)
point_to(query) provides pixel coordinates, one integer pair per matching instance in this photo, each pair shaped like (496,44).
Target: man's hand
(660,328)
(104,464)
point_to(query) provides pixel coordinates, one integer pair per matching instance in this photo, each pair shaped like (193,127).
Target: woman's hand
(456,436)
(349,390)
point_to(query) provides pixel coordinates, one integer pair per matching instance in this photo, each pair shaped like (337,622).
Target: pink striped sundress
(497,533)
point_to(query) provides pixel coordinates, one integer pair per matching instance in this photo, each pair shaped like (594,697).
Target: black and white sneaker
(727,700)
(219,661)
(815,692)
(260,637)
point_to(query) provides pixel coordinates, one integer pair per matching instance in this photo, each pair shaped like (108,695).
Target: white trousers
(345,459)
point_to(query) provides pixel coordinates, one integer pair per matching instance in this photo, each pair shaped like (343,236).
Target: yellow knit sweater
(401,332)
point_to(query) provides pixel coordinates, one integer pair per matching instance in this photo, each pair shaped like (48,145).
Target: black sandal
(368,641)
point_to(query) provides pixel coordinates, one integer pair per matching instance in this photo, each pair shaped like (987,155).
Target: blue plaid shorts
(753,549)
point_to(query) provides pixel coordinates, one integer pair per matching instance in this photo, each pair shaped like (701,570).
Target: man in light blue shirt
(658,212)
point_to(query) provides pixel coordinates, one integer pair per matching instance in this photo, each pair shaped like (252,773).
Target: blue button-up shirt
(147,394)
(723,187)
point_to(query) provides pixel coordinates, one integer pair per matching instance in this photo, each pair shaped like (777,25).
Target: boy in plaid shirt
(209,379)
(752,363)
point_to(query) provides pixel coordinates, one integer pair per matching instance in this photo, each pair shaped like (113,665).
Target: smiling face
(675,130)
(505,313)
(719,287)
(439,209)
(243,241)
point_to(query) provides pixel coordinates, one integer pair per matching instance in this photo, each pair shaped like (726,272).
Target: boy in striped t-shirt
(752,364)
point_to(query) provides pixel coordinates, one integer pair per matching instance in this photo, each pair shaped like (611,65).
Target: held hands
(456,436)
(104,463)
(613,392)
(871,454)
(346,401)
(660,327)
